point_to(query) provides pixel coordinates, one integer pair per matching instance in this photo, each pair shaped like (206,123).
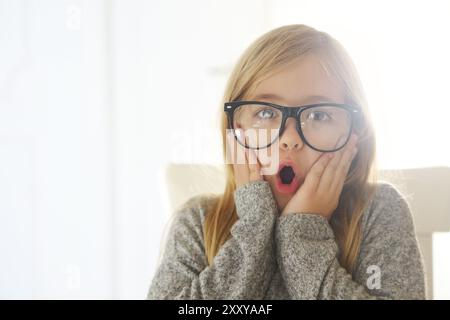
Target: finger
(338,154)
(253,166)
(235,155)
(344,166)
(331,173)
(314,175)
(230,147)
(239,162)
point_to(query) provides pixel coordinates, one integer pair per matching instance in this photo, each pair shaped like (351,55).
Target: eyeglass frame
(288,112)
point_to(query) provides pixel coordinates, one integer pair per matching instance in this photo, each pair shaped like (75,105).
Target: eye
(266,114)
(318,116)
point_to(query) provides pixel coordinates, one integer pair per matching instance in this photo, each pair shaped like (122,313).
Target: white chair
(426,190)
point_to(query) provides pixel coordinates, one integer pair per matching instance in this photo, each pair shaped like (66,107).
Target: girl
(321,226)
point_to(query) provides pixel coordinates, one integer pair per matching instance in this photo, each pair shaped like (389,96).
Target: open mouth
(287,174)
(287,179)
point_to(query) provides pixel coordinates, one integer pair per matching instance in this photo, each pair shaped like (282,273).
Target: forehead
(301,82)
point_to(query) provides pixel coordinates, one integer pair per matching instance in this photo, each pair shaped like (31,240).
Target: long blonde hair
(273,50)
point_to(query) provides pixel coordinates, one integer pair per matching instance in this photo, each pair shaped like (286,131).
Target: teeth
(287,174)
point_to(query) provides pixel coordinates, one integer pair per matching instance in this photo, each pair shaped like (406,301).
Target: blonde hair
(265,55)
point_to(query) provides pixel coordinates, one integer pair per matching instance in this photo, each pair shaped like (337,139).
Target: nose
(290,139)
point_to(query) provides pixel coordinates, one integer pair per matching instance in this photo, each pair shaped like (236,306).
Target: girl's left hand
(323,184)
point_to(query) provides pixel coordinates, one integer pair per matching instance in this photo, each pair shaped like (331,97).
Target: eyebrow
(312,98)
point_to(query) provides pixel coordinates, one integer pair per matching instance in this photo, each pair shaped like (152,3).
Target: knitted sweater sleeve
(244,265)
(389,265)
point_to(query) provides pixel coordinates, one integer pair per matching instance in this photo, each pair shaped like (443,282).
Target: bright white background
(97,96)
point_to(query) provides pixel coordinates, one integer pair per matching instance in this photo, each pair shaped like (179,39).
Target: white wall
(97,96)
(55,163)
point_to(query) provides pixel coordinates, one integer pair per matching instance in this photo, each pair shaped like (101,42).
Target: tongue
(287,175)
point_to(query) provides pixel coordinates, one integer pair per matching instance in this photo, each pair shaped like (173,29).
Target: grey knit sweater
(290,257)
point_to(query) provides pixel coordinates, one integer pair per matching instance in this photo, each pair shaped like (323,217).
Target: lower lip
(287,188)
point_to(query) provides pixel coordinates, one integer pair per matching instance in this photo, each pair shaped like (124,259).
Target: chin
(281,198)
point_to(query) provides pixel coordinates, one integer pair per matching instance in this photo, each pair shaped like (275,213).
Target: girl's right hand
(246,165)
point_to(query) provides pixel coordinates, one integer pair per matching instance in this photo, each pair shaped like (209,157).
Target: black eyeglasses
(324,127)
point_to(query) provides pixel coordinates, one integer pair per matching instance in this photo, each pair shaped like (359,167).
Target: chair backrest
(426,190)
